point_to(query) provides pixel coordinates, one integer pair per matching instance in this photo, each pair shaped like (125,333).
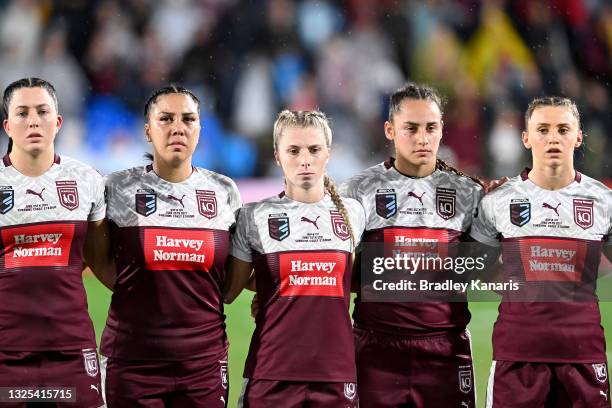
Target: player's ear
(147,129)
(5,124)
(525,138)
(276,158)
(389,134)
(579,140)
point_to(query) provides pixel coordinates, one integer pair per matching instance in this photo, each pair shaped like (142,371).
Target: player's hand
(254,306)
(493,184)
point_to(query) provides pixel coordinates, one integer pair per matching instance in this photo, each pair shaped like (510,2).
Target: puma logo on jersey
(93,387)
(420,198)
(305,219)
(299,266)
(179,200)
(28,191)
(550,207)
(603,394)
(33,239)
(164,241)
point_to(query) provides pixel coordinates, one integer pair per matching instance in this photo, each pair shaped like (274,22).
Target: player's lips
(34,136)
(305,174)
(177,143)
(553,150)
(422,151)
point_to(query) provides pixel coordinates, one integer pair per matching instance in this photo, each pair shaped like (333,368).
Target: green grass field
(240,326)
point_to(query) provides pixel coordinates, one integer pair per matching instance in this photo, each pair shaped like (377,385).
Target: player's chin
(177,157)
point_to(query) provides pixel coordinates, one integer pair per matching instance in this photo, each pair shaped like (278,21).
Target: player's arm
(237,276)
(97,253)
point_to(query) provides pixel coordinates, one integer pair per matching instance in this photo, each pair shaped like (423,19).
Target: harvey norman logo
(38,245)
(178,249)
(312,273)
(39,239)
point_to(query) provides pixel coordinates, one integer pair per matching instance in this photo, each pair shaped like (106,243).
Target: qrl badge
(223,373)
(68,194)
(350,390)
(91,362)
(465,380)
(601,373)
(583,213)
(386,203)
(445,202)
(278,226)
(207,203)
(339,226)
(7,199)
(146,202)
(520,212)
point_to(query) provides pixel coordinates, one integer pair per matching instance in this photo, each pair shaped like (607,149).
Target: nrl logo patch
(68,194)
(146,202)
(207,203)
(91,362)
(7,199)
(339,226)
(583,213)
(445,202)
(520,212)
(350,390)
(386,203)
(278,226)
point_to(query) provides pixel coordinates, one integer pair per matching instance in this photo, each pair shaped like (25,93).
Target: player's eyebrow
(42,105)
(419,124)
(173,113)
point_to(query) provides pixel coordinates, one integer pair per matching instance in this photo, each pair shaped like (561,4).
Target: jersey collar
(525,175)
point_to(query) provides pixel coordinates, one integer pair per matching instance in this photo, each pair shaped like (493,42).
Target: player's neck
(552,178)
(413,170)
(32,165)
(311,195)
(173,174)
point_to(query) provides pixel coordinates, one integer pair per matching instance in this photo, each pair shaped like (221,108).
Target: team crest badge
(520,212)
(207,203)
(223,373)
(386,203)
(465,380)
(445,202)
(278,226)
(339,226)
(583,213)
(68,194)
(7,199)
(600,372)
(91,362)
(350,390)
(146,202)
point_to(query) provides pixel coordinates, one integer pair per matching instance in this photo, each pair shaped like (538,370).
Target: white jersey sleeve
(483,226)
(98,208)
(240,247)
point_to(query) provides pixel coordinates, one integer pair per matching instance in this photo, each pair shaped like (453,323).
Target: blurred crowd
(249,59)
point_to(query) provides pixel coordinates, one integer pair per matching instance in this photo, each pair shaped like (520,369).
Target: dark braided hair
(30,82)
(420,92)
(166,90)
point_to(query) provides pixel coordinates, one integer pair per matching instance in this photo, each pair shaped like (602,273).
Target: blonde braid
(442,165)
(330,186)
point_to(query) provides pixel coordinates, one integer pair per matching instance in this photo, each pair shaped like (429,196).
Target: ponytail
(330,186)
(442,165)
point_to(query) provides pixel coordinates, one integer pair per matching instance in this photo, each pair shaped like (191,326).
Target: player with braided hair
(414,354)
(300,244)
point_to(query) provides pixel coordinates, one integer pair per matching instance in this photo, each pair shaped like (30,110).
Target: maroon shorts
(199,382)
(297,394)
(76,370)
(414,371)
(547,385)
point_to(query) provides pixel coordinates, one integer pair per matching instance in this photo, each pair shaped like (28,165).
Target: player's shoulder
(370,174)
(126,176)
(508,188)
(78,168)
(351,204)
(219,180)
(593,186)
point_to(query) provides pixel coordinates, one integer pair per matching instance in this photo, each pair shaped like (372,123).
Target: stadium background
(249,59)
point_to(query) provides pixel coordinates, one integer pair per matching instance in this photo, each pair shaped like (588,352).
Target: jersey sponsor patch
(520,212)
(37,245)
(386,203)
(339,226)
(68,194)
(416,242)
(312,273)
(583,213)
(445,202)
(278,226)
(207,203)
(7,199)
(171,249)
(550,259)
(146,202)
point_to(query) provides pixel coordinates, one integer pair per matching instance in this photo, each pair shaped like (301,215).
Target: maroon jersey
(43,224)
(551,243)
(405,212)
(170,242)
(301,254)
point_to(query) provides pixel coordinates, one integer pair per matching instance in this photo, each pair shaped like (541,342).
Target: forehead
(418,111)
(302,136)
(175,102)
(31,97)
(553,115)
